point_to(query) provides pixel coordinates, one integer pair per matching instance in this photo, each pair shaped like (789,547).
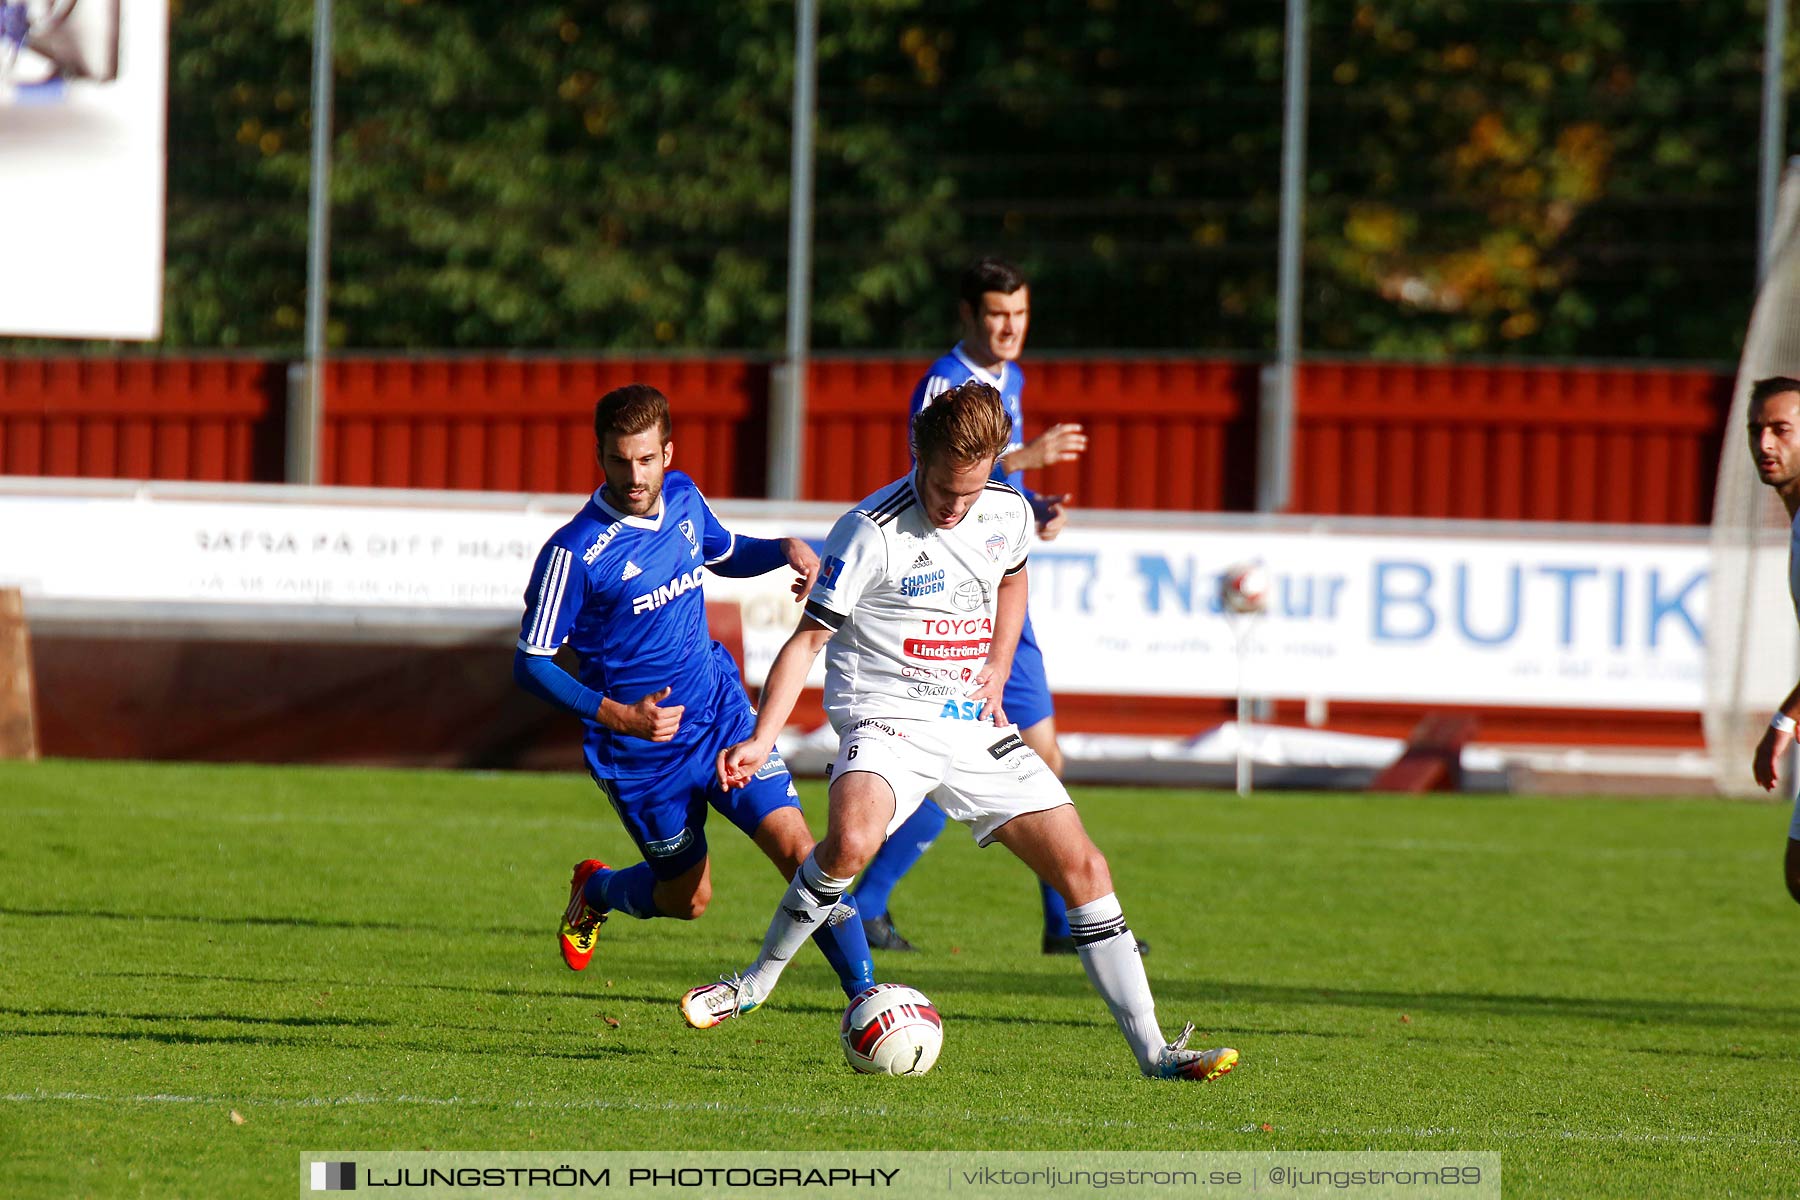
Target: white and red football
(891,1029)
(1244,588)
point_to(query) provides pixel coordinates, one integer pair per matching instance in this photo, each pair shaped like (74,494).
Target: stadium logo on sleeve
(594,551)
(828,571)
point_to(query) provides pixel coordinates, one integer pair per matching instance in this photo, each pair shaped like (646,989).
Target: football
(1244,588)
(891,1029)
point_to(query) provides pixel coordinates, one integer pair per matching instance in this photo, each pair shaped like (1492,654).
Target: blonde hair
(965,424)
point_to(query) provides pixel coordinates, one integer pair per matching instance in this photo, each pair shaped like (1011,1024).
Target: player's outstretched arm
(1057,444)
(787,678)
(1775,742)
(1009,620)
(750,556)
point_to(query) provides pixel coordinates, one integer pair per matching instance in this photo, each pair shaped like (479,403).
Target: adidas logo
(632,571)
(924,560)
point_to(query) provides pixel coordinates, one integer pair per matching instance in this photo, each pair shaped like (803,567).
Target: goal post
(1752,642)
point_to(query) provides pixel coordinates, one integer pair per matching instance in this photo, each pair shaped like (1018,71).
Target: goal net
(1752,645)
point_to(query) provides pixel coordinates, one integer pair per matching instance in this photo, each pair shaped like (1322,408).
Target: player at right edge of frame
(1774,428)
(926,578)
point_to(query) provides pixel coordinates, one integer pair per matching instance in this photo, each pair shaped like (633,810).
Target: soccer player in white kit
(1774,427)
(920,597)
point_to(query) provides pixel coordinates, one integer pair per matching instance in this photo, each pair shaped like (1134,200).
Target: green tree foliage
(1498,177)
(1552,179)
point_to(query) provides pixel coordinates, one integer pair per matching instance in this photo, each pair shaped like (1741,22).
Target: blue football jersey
(1027,689)
(955,369)
(625,593)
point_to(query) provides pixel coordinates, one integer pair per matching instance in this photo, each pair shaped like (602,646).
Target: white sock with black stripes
(804,909)
(1109,953)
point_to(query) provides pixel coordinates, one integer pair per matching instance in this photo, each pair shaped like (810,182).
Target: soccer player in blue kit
(995,310)
(621,584)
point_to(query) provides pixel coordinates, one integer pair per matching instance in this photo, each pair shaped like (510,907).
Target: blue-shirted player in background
(621,584)
(995,309)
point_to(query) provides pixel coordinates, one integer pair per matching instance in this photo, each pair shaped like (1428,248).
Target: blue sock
(629,890)
(1056,913)
(897,856)
(847,950)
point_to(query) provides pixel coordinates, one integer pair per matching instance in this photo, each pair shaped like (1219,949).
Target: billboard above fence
(83,101)
(1383,611)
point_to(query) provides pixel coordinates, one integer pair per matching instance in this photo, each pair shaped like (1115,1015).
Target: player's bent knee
(1096,872)
(785,842)
(1085,876)
(851,848)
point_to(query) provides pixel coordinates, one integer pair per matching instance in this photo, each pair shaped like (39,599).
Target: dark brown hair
(989,275)
(1774,385)
(631,409)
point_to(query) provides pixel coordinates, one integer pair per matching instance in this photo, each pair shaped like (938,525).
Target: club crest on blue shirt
(687,531)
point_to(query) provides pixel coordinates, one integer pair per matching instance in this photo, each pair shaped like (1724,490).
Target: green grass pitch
(1605,992)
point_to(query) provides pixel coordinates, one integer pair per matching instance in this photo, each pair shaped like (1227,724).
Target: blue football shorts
(665,814)
(1027,695)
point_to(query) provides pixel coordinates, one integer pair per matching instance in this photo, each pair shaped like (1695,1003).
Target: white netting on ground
(1753,646)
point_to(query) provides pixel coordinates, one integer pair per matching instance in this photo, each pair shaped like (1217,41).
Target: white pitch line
(1618,1136)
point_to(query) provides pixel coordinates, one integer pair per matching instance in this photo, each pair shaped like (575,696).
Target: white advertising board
(1120,610)
(1357,617)
(83,101)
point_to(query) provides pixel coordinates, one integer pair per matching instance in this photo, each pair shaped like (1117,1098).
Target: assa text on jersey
(966,710)
(680,585)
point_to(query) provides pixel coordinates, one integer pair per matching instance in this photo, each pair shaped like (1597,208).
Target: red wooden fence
(526,425)
(217,420)
(1175,434)
(1614,444)
(1574,443)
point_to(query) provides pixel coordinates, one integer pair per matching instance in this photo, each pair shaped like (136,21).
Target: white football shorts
(980,774)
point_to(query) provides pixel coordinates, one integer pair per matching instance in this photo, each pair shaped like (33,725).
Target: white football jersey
(912,605)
